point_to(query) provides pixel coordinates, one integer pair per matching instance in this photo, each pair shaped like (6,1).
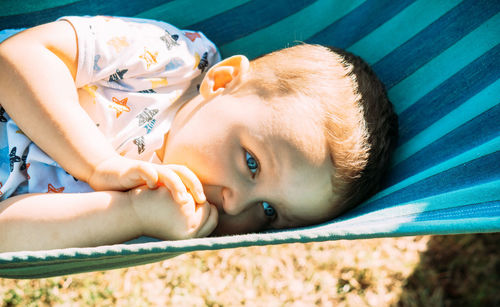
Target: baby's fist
(162,217)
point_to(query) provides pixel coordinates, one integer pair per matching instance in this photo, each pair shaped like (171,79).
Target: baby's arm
(38,91)
(99,218)
(59,220)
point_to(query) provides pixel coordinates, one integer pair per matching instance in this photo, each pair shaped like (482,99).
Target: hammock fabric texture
(440,62)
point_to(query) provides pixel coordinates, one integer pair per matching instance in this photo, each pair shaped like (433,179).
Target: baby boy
(143,138)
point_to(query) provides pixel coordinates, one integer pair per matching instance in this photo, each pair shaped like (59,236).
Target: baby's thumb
(210,219)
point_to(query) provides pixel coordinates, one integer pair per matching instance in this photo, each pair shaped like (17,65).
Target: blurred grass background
(458,270)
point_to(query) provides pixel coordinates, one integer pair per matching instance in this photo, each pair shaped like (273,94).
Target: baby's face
(261,166)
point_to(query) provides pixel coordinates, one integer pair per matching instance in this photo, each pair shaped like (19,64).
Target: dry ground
(461,270)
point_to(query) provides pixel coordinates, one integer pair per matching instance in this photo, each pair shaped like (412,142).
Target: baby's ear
(224,76)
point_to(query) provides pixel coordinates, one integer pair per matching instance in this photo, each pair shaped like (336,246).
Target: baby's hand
(161,217)
(121,174)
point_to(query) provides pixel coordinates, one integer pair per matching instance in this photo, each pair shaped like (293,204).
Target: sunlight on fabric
(482,150)
(488,192)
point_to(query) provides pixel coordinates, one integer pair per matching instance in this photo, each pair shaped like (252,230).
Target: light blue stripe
(489,191)
(182,13)
(467,225)
(406,227)
(484,100)
(400,28)
(477,152)
(442,67)
(295,28)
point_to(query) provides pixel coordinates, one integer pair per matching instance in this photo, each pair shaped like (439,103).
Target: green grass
(461,270)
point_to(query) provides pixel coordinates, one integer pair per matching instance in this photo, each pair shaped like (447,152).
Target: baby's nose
(232,203)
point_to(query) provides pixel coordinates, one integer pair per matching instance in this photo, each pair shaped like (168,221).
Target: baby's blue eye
(268,210)
(252,164)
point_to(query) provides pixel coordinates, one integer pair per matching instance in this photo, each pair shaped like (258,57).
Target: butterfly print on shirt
(203,62)
(3,119)
(24,165)
(13,158)
(170,40)
(146,116)
(150,91)
(141,146)
(118,75)
(23,159)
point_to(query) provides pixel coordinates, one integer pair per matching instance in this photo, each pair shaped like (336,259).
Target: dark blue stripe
(434,39)
(477,131)
(247,18)
(86,7)
(358,23)
(486,209)
(450,94)
(475,172)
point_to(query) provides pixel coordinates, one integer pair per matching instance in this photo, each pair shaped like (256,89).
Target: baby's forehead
(297,125)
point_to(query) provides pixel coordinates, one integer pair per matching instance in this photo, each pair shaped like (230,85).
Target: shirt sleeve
(130,54)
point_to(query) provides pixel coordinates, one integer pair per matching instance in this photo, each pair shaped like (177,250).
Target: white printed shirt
(132,77)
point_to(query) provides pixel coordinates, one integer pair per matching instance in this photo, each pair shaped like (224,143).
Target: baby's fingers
(174,184)
(191,181)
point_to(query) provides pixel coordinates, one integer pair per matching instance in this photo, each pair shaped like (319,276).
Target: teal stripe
(477,152)
(439,69)
(401,28)
(14,7)
(295,28)
(476,105)
(182,13)
(486,192)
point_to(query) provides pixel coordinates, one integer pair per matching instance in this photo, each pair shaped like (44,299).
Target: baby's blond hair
(360,126)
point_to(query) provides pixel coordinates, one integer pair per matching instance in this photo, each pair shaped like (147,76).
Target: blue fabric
(434,39)
(343,34)
(440,61)
(450,94)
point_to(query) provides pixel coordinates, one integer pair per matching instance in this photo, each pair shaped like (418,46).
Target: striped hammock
(440,61)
